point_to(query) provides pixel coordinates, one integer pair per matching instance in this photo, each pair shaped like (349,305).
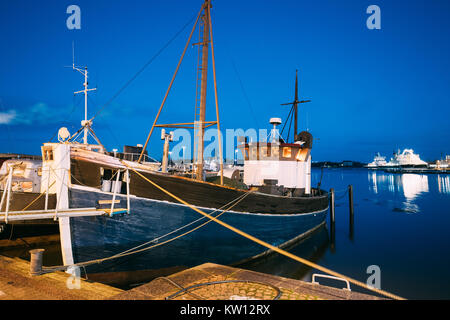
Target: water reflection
(311,248)
(443,184)
(410,185)
(414,185)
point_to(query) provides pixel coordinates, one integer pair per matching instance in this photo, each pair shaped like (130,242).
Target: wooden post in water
(350,205)
(332,217)
(332,206)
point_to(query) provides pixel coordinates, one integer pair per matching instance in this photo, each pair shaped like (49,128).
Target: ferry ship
(400,160)
(406,159)
(378,161)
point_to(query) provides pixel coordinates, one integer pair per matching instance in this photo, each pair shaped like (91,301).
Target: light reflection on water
(443,184)
(410,185)
(401,224)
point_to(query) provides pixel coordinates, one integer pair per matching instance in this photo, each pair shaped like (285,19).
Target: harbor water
(401,225)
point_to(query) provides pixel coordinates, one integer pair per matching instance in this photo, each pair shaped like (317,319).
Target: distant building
(347,163)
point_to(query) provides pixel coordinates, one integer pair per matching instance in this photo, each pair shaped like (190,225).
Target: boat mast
(295,105)
(201,109)
(200,123)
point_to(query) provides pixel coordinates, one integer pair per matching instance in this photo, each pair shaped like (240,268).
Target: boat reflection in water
(311,248)
(409,185)
(414,185)
(443,184)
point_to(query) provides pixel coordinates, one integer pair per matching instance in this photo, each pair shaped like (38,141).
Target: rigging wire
(255,119)
(287,120)
(108,127)
(142,69)
(289,130)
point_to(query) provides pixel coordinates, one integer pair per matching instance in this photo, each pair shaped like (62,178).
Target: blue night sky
(371,90)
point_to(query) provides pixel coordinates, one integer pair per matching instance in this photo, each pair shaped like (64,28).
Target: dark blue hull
(101,236)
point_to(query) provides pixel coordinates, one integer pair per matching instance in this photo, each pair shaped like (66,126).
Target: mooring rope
(155,240)
(240,232)
(128,252)
(269,246)
(238,199)
(341,196)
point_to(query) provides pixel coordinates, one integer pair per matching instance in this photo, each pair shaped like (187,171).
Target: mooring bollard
(332,206)
(36,261)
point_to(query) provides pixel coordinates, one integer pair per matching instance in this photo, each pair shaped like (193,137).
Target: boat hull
(103,236)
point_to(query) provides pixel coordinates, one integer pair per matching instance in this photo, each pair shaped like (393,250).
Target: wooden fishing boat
(153,230)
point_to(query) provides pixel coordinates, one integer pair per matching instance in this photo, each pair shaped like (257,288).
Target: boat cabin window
(301,154)
(47,154)
(287,152)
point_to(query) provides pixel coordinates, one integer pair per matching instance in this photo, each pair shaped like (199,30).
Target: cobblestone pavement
(195,284)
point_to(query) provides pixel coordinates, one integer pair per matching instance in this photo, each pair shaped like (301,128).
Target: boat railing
(318,275)
(132,156)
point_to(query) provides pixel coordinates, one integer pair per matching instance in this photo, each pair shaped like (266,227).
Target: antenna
(86,124)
